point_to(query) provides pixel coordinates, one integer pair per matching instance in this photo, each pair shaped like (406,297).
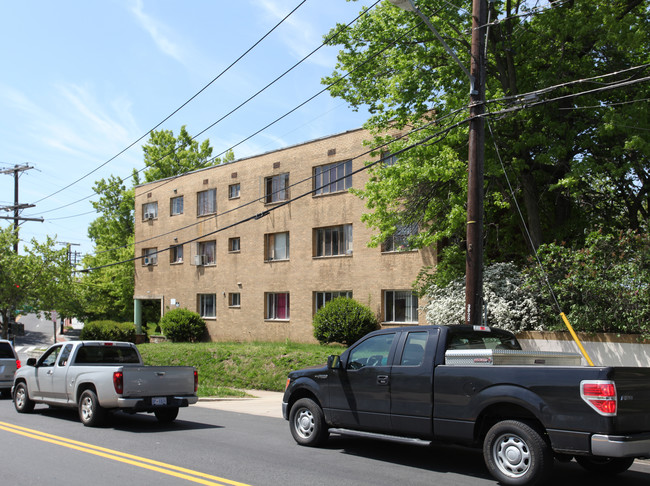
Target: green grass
(225,369)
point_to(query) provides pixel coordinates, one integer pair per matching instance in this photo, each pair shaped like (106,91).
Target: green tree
(41,280)
(576,158)
(108,289)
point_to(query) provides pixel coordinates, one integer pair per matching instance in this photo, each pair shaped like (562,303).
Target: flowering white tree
(509,306)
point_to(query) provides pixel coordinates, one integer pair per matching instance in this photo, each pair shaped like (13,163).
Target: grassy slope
(226,368)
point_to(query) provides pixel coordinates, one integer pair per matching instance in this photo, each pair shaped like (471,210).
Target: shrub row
(108,331)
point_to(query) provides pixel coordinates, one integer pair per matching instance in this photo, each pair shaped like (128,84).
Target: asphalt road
(210,446)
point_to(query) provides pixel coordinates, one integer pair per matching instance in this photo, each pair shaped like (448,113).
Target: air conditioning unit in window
(148,216)
(148,260)
(199,260)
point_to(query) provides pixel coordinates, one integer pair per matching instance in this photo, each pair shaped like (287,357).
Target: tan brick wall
(367,272)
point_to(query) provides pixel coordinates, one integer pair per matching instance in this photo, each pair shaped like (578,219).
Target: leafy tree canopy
(567,94)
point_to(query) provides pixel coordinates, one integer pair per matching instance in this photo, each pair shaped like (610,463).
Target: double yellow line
(143,462)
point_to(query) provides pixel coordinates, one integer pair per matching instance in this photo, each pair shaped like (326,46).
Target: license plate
(159,401)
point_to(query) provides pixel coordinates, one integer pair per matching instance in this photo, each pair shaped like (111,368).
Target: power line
(177,109)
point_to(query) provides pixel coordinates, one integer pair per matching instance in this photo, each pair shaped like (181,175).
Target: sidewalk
(264,403)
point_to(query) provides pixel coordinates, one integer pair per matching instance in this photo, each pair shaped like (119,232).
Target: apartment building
(256,246)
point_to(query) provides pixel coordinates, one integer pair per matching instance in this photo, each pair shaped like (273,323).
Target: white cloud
(159,32)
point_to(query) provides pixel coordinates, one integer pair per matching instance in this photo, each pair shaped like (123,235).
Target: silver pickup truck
(100,376)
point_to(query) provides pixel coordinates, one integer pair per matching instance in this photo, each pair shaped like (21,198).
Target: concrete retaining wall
(603,349)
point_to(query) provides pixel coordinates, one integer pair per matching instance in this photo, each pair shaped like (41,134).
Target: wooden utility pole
(474,253)
(17,206)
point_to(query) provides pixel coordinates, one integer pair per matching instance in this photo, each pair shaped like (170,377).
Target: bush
(343,320)
(182,325)
(509,305)
(108,331)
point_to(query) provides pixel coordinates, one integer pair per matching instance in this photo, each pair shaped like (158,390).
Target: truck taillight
(18,364)
(196,381)
(118,382)
(599,395)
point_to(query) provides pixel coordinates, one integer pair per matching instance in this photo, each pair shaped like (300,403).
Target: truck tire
(608,466)
(307,424)
(22,401)
(516,453)
(166,415)
(91,412)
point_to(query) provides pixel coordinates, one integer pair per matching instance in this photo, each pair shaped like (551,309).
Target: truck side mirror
(334,362)
(31,361)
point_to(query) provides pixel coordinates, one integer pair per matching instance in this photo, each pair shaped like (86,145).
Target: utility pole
(17,206)
(476,158)
(476,153)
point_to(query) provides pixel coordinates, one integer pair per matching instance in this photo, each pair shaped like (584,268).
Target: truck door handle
(49,372)
(160,373)
(382,379)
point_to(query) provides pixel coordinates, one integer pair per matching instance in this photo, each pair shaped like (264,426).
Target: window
(413,353)
(276,246)
(276,188)
(333,177)
(400,306)
(234,299)
(373,351)
(388,159)
(233,244)
(206,252)
(206,202)
(333,241)
(233,191)
(322,298)
(176,205)
(149,211)
(176,254)
(399,240)
(207,305)
(150,256)
(277,306)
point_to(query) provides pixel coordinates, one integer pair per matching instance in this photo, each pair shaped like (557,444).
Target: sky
(81,81)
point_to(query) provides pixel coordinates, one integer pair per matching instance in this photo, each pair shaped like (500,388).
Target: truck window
(493,339)
(414,349)
(6,351)
(106,355)
(49,358)
(65,354)
(371,352)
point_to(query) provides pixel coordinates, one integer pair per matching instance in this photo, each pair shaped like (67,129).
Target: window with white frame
(333,241)
(234,245)
(149,211)
(176,254)
(176,205)
(276,188)
(206,252)
(399,240)
(277,306)
(150,256)
(233,191)
(400,306)
(333,177)
(234,299)
(322,298)
(276,246)
(206,202)
(208,305)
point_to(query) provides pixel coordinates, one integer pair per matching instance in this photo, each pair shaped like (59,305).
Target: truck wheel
(21,399)
(90,411)
(166,415)
(307,424)
(605,465)
(516,453)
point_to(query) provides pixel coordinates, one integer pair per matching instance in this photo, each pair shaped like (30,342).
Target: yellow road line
(143,462)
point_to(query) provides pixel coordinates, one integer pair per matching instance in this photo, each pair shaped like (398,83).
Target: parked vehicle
(475,386)
(99,376)
(9,363)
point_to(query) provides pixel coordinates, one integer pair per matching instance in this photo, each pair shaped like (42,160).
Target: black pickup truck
(475,386)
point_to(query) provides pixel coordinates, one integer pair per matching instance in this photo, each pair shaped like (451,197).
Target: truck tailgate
(148,381)
(633,390)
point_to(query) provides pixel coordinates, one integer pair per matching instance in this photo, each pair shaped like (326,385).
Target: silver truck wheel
(22,401)
(307,424)
(517,454)
(90,412)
